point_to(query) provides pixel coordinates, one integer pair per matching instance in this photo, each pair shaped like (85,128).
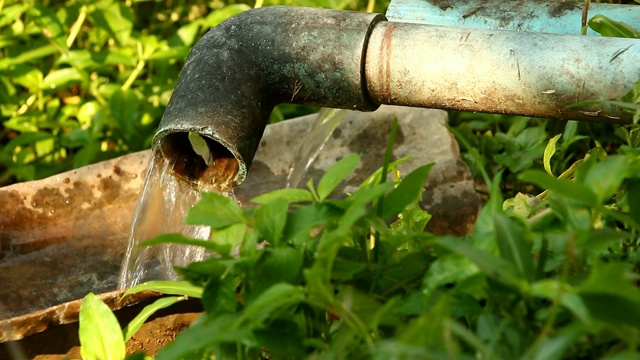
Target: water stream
(326,122)
(166,199)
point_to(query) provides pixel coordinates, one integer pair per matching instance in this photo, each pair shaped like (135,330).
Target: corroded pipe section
(493,71)
(242,68)
(558,17)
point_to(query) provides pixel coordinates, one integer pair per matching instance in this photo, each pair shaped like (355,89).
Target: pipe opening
(200,161)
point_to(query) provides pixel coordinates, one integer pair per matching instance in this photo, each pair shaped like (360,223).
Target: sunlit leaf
(548,153)
(100,334)
(611,28)
(167,287)
(336,174)
(137,322)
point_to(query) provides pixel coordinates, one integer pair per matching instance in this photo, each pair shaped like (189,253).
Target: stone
(65,236)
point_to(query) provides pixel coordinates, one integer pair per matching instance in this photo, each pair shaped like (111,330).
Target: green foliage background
(83,81)
(550,271)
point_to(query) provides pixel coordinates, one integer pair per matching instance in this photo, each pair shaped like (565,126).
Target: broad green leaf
(277,297)
(167,287)
(606,176)
(204,334)
(218,16)
(270,219)
(514,245)
(290,195)
(611,28)
(548,153)
(633,197)
(284,263)
(99,332)
(407,192)
(554,347)
(358,205)
(116,18)
(61,78)
(125,106)
(27,138)
(112,57)
(137,322)
(448,269)
(219,296)
(633,95)
(554,289)
(215,210)
(493,267)
(610,295)
(564,188)
(336,174)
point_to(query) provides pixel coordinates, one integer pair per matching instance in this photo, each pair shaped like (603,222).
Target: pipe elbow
(241,69)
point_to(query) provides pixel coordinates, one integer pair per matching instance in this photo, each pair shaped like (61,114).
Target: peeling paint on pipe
(493,71)
(520,15)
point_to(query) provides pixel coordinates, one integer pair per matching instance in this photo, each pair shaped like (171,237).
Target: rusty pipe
(242,68)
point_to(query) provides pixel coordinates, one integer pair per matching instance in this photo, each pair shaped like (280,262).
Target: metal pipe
(494,71)
(242,68)
(245,66)
(520,15)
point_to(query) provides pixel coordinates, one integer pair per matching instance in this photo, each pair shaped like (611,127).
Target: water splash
(164,203)
(326,122)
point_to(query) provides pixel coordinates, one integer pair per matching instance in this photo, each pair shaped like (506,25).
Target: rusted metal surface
(245,66)
(493,71)
(558,17)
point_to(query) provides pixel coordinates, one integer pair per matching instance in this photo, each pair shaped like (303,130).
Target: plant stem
(75,28)
(134,74)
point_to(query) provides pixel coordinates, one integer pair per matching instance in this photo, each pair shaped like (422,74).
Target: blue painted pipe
(520,15)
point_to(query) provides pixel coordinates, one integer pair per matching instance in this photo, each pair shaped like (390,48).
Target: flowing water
(166,199)
(313,142)
(163,205)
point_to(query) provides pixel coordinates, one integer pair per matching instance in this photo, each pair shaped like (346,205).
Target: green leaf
(494,267)
(605,177)
(203,334)
(514,245)
(633,95)
(115,18)
(336,174)
(61,78)
(562,187)
(407,192)
(610,296)
(548,153)
(99,332)
(215,210)
(554,289)
(290,195)
(633,197)
(125,107)
(137,322)
(219,296)
(358,205)
(283,263)
(554,347)
(270,219)
(611,28)
(180,239)
(277,297)
(167,287)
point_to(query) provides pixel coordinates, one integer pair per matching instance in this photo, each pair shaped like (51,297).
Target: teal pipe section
(498,71)
(519,15)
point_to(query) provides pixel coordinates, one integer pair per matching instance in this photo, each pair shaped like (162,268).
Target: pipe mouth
(200,161)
